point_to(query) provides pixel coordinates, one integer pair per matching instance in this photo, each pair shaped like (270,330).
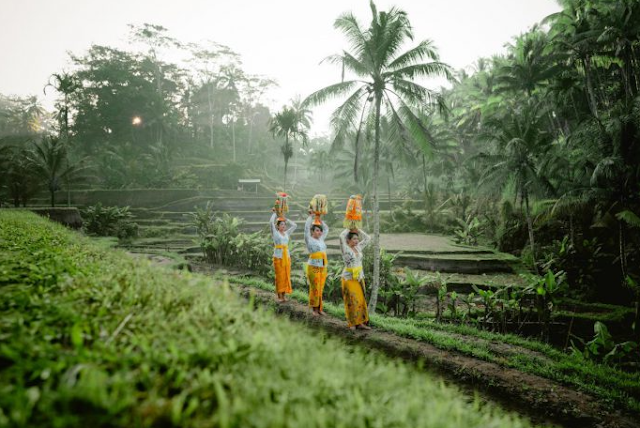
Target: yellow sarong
(355,305)
(283,270)
(316,277)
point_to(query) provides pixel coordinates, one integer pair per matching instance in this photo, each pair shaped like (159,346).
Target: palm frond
(429,69)
(412,92)
(424,50)
(347,112)
(419,134)
(329,92)
(349,25)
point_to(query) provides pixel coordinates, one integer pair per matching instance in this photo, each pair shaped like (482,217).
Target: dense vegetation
(551,129)
(92,337)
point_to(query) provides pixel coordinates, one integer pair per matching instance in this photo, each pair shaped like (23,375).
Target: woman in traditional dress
(352,243)
(316,268)
(281,259)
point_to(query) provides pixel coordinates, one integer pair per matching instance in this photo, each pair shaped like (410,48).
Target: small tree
(48,160)
(289,123)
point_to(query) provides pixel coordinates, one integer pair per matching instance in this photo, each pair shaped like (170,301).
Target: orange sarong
(282,266)
(316,277)
(355,305)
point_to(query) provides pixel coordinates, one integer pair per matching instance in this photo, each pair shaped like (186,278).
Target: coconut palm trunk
(373,299)
(211,118)
(530,228)
(286,163)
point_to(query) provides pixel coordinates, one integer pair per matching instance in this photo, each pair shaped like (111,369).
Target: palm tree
(290,124)
(66,84)
(383,84)
(231,76)
(530,65)
(619,30)
(572,31)
(520,139)
(48,159)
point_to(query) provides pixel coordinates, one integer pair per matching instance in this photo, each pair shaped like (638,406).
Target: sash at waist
(318,259)
(280,251)
(355,272)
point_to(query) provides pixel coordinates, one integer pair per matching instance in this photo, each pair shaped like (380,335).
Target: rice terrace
(276,214)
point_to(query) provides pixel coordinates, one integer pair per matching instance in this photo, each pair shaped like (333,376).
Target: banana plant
(441,283)
(469,302)
(546,288)
(411,285)
(453,299)
(489,300)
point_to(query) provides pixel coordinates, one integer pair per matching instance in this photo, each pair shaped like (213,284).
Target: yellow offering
(281,206)
(319,207)
(353,214)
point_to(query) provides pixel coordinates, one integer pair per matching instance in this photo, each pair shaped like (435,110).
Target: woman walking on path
(316,268)
(355,305)
(281,258)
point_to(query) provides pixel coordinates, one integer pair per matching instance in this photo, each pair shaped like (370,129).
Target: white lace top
(353,257)
(281,238)
(315,245)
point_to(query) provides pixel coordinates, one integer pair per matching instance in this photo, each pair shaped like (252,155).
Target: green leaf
(76,335)
(629,217)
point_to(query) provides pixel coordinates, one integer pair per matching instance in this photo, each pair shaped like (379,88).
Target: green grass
(615,387)
(92,337)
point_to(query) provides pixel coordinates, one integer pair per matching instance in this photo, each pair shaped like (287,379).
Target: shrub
(603,347)
(223,243)
(468,230)
(109,221)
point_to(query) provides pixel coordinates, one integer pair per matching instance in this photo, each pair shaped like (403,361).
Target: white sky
(281,39)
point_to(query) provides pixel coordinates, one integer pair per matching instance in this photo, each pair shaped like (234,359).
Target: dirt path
(528,394)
